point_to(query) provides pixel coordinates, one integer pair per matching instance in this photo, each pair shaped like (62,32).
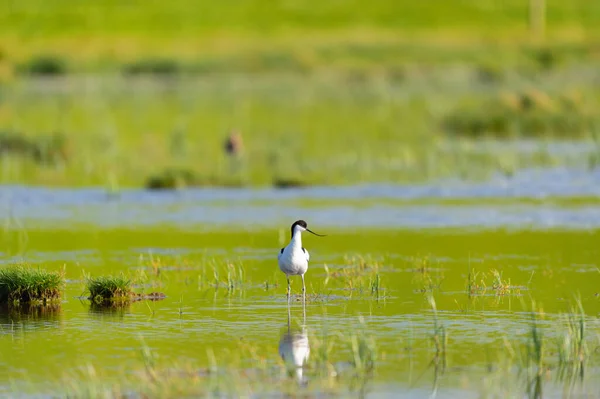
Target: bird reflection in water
(294,348)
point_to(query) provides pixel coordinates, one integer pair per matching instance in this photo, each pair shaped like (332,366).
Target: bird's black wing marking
(282,250)
(303,250)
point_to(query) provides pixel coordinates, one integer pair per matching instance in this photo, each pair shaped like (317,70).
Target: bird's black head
(300,225)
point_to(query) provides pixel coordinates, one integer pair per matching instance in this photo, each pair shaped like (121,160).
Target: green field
(97,35)
(140,92)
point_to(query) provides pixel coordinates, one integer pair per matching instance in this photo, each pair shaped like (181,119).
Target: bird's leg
(303,289)
(289,288)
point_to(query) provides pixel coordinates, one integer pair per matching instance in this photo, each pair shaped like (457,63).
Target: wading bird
(293,259)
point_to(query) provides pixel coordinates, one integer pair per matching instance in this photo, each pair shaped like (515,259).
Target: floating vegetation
(532,113)
(44,65)
(20,284)
(48,149)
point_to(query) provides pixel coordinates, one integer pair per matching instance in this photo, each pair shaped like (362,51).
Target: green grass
(532,114)
(263,35)
(20,284)
(171,135)
(109,288)
(396,92)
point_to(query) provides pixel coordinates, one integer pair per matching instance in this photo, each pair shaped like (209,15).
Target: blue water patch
(22,206)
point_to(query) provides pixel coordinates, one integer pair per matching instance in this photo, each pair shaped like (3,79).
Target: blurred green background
(131,93)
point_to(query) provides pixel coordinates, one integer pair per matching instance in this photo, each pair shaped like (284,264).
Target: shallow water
(182,243)
(375,206)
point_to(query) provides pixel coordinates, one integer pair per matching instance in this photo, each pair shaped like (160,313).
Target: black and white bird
(293,259)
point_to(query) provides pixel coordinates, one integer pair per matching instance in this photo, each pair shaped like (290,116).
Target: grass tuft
(23,284)
(109,288)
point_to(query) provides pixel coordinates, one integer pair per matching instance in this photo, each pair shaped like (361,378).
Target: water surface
(213,253)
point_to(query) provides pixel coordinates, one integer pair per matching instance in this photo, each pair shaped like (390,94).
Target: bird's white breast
(293,261)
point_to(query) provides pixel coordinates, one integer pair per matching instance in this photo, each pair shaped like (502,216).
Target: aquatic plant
(534,363)
(439,336)
(375,284)
(109,288)
(26,284)
(358,273)
(235,276)
(426,277)
(571,345)
(479,283)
